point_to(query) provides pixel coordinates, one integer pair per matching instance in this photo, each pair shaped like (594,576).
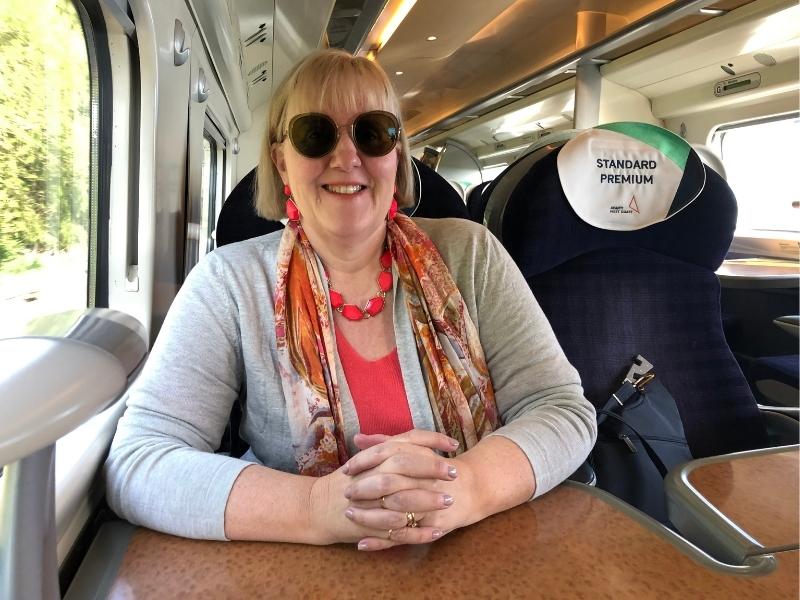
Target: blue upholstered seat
(239,221)
(611,295)
(475,204)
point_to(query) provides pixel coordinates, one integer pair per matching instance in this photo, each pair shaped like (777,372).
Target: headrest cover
(626,176)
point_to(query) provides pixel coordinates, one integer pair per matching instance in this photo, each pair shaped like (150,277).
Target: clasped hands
(368,499)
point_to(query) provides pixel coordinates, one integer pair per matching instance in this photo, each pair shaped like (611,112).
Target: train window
(45,159)
(760,161)
(208,190)
(200,232)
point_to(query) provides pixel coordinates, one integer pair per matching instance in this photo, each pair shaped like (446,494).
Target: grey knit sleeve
(161,471)
(538,393)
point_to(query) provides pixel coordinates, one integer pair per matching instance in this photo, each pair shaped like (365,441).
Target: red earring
(291,208)
(392,209)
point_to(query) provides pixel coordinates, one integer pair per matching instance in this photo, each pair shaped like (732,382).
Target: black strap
(618,399)
(659,464)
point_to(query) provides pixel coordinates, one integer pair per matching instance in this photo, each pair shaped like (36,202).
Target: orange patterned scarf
(453,365)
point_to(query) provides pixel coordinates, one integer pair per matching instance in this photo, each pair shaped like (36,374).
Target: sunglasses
(374,133)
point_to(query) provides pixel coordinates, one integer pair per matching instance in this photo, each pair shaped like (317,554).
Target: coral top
(377,389)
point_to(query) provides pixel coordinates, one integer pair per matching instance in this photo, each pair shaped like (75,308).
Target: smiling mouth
(344,189)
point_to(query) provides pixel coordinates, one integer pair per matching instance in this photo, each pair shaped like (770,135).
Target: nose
(345,154)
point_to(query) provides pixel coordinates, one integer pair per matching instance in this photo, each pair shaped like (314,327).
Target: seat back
(436,198)
(474,195)
(647,289)
(489,211)
(238,219)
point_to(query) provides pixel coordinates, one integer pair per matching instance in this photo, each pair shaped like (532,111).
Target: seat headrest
(541,228)
(639,175)
(238,220)
(437,199)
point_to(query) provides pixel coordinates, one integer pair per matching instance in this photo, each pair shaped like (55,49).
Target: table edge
(701,522)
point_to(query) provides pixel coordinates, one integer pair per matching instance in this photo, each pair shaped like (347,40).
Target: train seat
(711,159)
(613,289)
(776,379)
(460,190)
(436,198)
(503,184)
(238,220)
(474,195)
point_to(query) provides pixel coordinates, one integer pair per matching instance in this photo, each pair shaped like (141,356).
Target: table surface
(758,493)
(567,544)
(758,267)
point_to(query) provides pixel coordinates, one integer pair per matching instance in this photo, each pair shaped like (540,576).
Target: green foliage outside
(44,131)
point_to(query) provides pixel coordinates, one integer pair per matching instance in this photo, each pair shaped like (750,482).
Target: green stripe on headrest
(670,145)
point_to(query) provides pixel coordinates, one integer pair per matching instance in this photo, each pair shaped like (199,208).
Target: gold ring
(411,520)
(383,502)
(389,535)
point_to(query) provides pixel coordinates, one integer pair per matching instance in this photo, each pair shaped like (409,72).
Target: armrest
(782,430)
(585,475)
(789,323)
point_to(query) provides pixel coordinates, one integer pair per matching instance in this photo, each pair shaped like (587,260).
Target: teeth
(344,189)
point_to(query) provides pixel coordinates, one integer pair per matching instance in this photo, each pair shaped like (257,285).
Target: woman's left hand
(396,475)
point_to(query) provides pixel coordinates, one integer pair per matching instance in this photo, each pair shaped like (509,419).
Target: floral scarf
(453,365)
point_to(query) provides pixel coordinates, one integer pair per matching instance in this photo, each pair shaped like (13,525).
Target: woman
(401,380)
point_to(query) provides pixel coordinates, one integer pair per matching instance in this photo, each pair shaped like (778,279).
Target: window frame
(101,123)
(218,176)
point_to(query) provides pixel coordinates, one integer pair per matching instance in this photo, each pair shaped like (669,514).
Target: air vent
(262,66)
(262,36)
(261,72)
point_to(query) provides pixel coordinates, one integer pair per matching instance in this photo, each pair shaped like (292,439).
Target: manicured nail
(452,472)
(349,513)
(348,493)
(454,442)
(436,534)
(363,546)
(447,499)
(346,468)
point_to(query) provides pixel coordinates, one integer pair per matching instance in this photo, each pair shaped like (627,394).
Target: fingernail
(454,442)
(348,493)
(436,534)
(452,472)
(447,499)
(363,546)
(346,468)
(349,513)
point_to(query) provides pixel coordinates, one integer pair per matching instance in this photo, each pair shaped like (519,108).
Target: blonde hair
(327,78)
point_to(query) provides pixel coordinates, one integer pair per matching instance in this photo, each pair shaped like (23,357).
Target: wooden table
(759,493)
(742,504)
(758,273)
(571,543)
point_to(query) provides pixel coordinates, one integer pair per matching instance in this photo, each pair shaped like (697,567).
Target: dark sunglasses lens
(376,134)
(313,135)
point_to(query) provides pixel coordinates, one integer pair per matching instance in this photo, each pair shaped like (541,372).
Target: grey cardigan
(219,336)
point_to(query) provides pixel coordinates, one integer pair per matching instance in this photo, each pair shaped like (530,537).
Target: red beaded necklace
(375,304)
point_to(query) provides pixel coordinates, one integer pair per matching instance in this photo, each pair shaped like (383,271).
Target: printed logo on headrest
(626,176)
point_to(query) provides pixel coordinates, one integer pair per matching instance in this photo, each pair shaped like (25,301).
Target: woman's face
(345,194)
